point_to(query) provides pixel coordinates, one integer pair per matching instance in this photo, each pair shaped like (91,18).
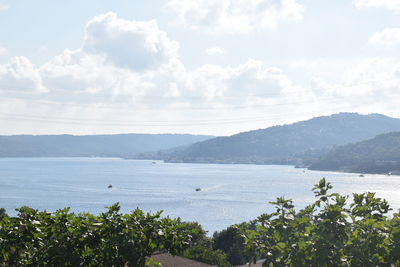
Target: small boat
(109,186)
(198,189)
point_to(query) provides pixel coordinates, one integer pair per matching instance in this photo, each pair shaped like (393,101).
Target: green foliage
(378,155)
(207,255)
(62,238)
(332,231)
(299,143)
(329,232)
(3,213)
(201,248)
(232,243)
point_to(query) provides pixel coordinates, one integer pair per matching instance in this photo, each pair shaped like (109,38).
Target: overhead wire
(83,121)
(175,107)
(83,93)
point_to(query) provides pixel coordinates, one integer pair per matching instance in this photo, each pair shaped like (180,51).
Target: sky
(216,67)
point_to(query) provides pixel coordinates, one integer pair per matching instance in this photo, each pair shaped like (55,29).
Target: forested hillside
(119,145)
(378,155)
(296,143)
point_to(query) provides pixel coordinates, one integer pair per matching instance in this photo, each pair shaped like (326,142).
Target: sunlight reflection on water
(229,193)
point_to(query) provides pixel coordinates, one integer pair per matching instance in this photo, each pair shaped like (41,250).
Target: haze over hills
(378,155)
(301,143)
(297,143)
(119,145)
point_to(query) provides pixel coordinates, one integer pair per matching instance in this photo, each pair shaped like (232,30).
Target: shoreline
(396,173)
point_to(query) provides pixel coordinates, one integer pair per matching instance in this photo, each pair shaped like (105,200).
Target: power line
(142,123)
(83,93)
(223,107)
(117,121)
(83,121)
(158,108)
(166,124)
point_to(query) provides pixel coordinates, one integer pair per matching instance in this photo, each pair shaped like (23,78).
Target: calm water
(229,193)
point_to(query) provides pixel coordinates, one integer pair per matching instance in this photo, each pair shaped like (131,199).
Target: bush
(232,243)
(35,238)
(201,248)
(329,232)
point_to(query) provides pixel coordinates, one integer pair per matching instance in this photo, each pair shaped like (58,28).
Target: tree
(232,243)
(62,238)
(329,232)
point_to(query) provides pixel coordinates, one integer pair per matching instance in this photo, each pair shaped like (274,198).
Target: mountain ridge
(288,144)
(380,154)
(113,145)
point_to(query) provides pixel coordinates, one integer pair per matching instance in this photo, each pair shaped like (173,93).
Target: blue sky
(196,66)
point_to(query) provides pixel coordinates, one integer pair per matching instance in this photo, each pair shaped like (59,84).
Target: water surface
(229,193)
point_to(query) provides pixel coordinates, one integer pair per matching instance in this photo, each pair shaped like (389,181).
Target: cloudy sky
(196,66)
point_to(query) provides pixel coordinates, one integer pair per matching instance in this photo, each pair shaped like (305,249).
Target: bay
(228,194)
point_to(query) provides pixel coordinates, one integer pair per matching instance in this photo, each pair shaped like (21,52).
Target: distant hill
(297,143)
(120,145)
(378,155)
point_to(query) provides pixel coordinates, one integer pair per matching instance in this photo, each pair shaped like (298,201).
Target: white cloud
(94,81)
(393,5)
(215,50)
(378,72)
(236,16)
(118,57)
(371,80)
(131,71)
(3,51)
(137,59)
(255,79)
(132,44)
(369,86)
(3,7)
(20,75)
(389,37)
(91,73)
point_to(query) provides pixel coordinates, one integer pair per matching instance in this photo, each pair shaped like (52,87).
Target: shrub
(62,238)
(329,232)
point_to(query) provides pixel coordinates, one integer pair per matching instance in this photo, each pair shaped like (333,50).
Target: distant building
(167,260)
(258,264)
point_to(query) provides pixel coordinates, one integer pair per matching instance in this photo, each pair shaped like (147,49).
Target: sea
(215,195)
